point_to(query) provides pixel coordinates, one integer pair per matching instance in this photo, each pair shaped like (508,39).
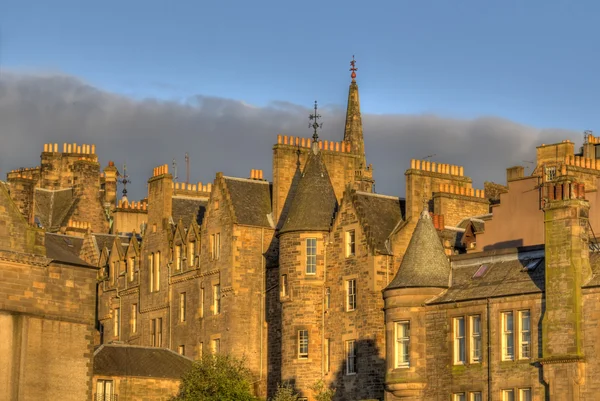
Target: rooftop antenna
(429,156)
(124,179)
(175,170)
(187,168)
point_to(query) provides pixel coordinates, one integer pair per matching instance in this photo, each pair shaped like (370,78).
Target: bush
(216,377)
(285,392)
(322,392)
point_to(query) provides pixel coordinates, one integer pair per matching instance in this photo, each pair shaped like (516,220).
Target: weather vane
(353,68)
(124,180)
(315,124)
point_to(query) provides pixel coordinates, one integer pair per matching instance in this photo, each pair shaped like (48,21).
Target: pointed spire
(353,132)
(315,125)
(424,264)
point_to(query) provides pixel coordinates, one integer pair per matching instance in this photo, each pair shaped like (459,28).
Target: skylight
(481,271)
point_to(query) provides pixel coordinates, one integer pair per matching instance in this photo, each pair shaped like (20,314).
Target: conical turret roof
(314,202)
(424,264)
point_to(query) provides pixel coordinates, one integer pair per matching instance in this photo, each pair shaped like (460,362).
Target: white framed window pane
(302,344)
(350,243)
(508,395)
(459,397)
(475,396)
(525,334)
(311,256)
(508,352)
(459,340)
(351,295)
(475,339)
(216,299)
(525,394)
(350,357)
(402,344)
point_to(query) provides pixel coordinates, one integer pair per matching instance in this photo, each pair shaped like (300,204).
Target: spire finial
(124,180)
(353,68)
(315,125)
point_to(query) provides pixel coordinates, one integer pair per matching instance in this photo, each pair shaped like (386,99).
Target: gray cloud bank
(233,137)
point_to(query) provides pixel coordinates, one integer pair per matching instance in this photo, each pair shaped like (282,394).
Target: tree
(322,392)
(285,392)
(216,377)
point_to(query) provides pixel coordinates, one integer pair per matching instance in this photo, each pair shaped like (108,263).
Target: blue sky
(534,62)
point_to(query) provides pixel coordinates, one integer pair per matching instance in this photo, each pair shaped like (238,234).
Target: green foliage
(216,378)
(322,392)
(285,392)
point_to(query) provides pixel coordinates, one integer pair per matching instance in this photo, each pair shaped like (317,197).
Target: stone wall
(455,207)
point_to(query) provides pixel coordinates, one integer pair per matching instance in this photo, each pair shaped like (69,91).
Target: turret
(302,274)
(424,273)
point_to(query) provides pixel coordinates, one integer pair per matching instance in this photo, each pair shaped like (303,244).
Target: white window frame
(182,306)
(460,340)
(508,394)
(525,394)
(524,334)
(402,344)
(350,242)
(303,344)
(216,299)
(350,295)
(105,390)
(351,360)
(475,339)
(475,396)
(459,397)
(508,336)
(311,256)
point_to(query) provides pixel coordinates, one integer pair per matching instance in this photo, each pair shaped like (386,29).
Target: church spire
(353,132)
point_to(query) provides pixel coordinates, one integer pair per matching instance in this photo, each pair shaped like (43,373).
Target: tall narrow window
(191,253)
(117,322)
(350,243)
(104,390)
(178,257)
(327,297)
(153,332)
(131,267)
(200,349)
(113,271)
(217,246)
(134,319)
(459,397)
(311,256)
(181,349)
(508,352)
(402,344)
(212,247)
(350,295)
(159,332)
(216,299)
(157,271)
(216,346)
(182,307)
(475,339)
(525,335)
(284,285)
(326,355)
(459,340)
(151,271)
(201,302)
(508,395)
(524,394)
(350,357)
(302,344)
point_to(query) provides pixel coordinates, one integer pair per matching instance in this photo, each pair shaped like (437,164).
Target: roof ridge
(245,180)
(378,195)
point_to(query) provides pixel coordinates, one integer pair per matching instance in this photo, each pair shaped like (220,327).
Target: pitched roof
(314,203)
(53,207)
(188,209)
(378,214)
(250,200)
(64,249)
(134,361)
(494,274)
(424,264)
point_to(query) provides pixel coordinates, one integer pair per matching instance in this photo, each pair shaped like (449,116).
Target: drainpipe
(325,243)
(262,298)
(489,350)
(169,303)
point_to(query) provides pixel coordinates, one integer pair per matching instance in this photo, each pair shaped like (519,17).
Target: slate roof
(250,200)
(134,361)
(188,209)
(314,203)
(379,215)
(595,265)
(503,273)
(53,208)
(64,249)
(424,264)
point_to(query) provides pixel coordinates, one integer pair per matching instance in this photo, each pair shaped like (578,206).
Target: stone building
(287,274)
